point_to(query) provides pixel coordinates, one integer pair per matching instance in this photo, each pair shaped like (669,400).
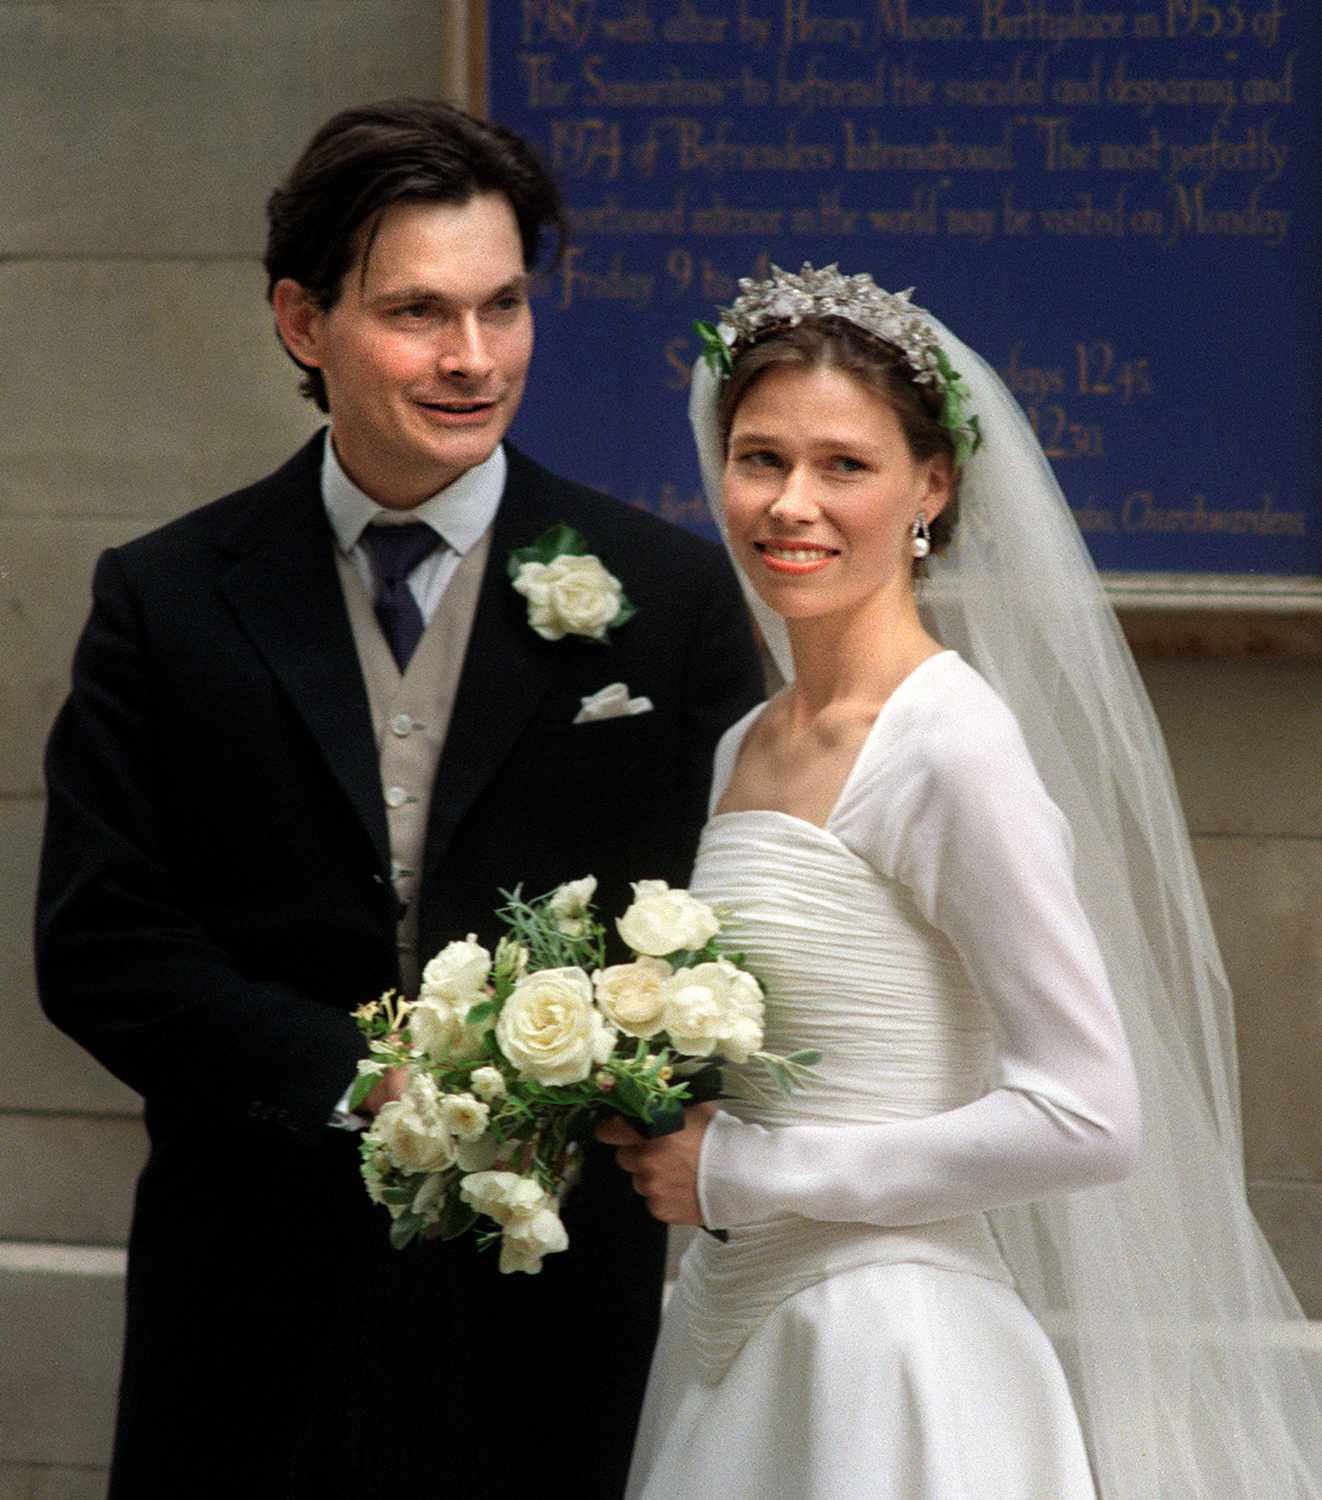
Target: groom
(307,745)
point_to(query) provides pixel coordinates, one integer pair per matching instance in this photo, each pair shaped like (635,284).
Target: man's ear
(298,320)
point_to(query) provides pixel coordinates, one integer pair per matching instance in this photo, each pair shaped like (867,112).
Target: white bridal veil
(1190,1362)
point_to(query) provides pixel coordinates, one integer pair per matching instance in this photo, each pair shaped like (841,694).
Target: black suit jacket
(215,900)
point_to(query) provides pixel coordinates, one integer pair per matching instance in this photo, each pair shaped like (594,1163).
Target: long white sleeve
(949,803)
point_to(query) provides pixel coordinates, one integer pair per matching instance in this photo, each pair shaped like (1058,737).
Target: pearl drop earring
(920,538)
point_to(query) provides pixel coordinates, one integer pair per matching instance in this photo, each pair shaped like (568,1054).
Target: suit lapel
(505,672)
(286,592)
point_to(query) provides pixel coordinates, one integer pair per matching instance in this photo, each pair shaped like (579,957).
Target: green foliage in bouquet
(511,1057)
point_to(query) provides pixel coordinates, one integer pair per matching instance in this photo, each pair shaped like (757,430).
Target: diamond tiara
(785,299)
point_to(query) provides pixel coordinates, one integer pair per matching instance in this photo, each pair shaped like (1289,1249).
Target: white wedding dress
(859,1334)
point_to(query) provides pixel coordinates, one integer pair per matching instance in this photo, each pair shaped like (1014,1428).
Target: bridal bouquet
(512,1056)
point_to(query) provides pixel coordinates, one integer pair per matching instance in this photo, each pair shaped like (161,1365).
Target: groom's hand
(664,1170)
(390,1087)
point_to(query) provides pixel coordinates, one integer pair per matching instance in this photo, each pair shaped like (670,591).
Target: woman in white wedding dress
(905,886)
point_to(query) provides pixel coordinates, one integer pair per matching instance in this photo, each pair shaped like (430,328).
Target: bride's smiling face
(821,489)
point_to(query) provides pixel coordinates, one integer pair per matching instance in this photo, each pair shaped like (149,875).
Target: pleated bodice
(852,970)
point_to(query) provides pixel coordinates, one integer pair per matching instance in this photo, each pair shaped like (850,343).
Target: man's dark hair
(364,160)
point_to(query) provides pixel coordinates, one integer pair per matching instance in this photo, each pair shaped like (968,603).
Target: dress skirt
(890,1382)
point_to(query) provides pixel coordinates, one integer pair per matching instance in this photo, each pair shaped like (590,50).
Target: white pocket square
(611,702)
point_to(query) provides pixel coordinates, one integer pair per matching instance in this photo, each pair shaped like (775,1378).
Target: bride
(948,1268)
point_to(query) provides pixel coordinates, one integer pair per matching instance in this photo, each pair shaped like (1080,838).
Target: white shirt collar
(459,514)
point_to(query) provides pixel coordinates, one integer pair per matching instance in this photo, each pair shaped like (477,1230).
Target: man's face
(426,351)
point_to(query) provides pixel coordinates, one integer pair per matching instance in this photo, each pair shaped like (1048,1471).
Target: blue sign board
(1116,203)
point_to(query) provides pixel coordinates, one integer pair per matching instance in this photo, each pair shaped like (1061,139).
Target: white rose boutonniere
(568,589)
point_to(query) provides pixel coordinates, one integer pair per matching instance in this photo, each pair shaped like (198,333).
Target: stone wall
(140,378)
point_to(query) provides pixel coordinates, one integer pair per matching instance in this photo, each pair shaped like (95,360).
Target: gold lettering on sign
(689,131)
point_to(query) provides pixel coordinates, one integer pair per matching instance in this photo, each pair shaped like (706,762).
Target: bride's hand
(664,1170)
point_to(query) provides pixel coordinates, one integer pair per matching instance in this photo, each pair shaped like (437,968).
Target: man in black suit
(258,819)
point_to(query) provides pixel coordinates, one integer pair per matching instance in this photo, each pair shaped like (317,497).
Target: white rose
(433,1026)
(440,1028)
(488,1083)
(541,1231)
(503,1196)
(663,921)
(630,995)
(569,596)
(518,1258)
(457,974)
(525,1241)
(413,1131)
(714,1007)
(464,1116)
(550,1030)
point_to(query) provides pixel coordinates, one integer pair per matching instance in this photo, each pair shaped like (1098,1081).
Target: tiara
(784,300)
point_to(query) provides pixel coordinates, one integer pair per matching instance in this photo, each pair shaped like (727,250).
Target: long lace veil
(1192,1368)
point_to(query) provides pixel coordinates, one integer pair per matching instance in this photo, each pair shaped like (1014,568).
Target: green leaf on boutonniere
(560,541)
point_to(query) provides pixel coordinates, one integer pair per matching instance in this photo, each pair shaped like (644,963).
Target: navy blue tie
(396,551)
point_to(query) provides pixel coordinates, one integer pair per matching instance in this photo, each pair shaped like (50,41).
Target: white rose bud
(569,904)
(570,596)
(550,1030)
(714,1007)
(457,974)
(630,995)
(488,1083)
(511,958)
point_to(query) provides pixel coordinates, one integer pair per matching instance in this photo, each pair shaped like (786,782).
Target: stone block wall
(141,377)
